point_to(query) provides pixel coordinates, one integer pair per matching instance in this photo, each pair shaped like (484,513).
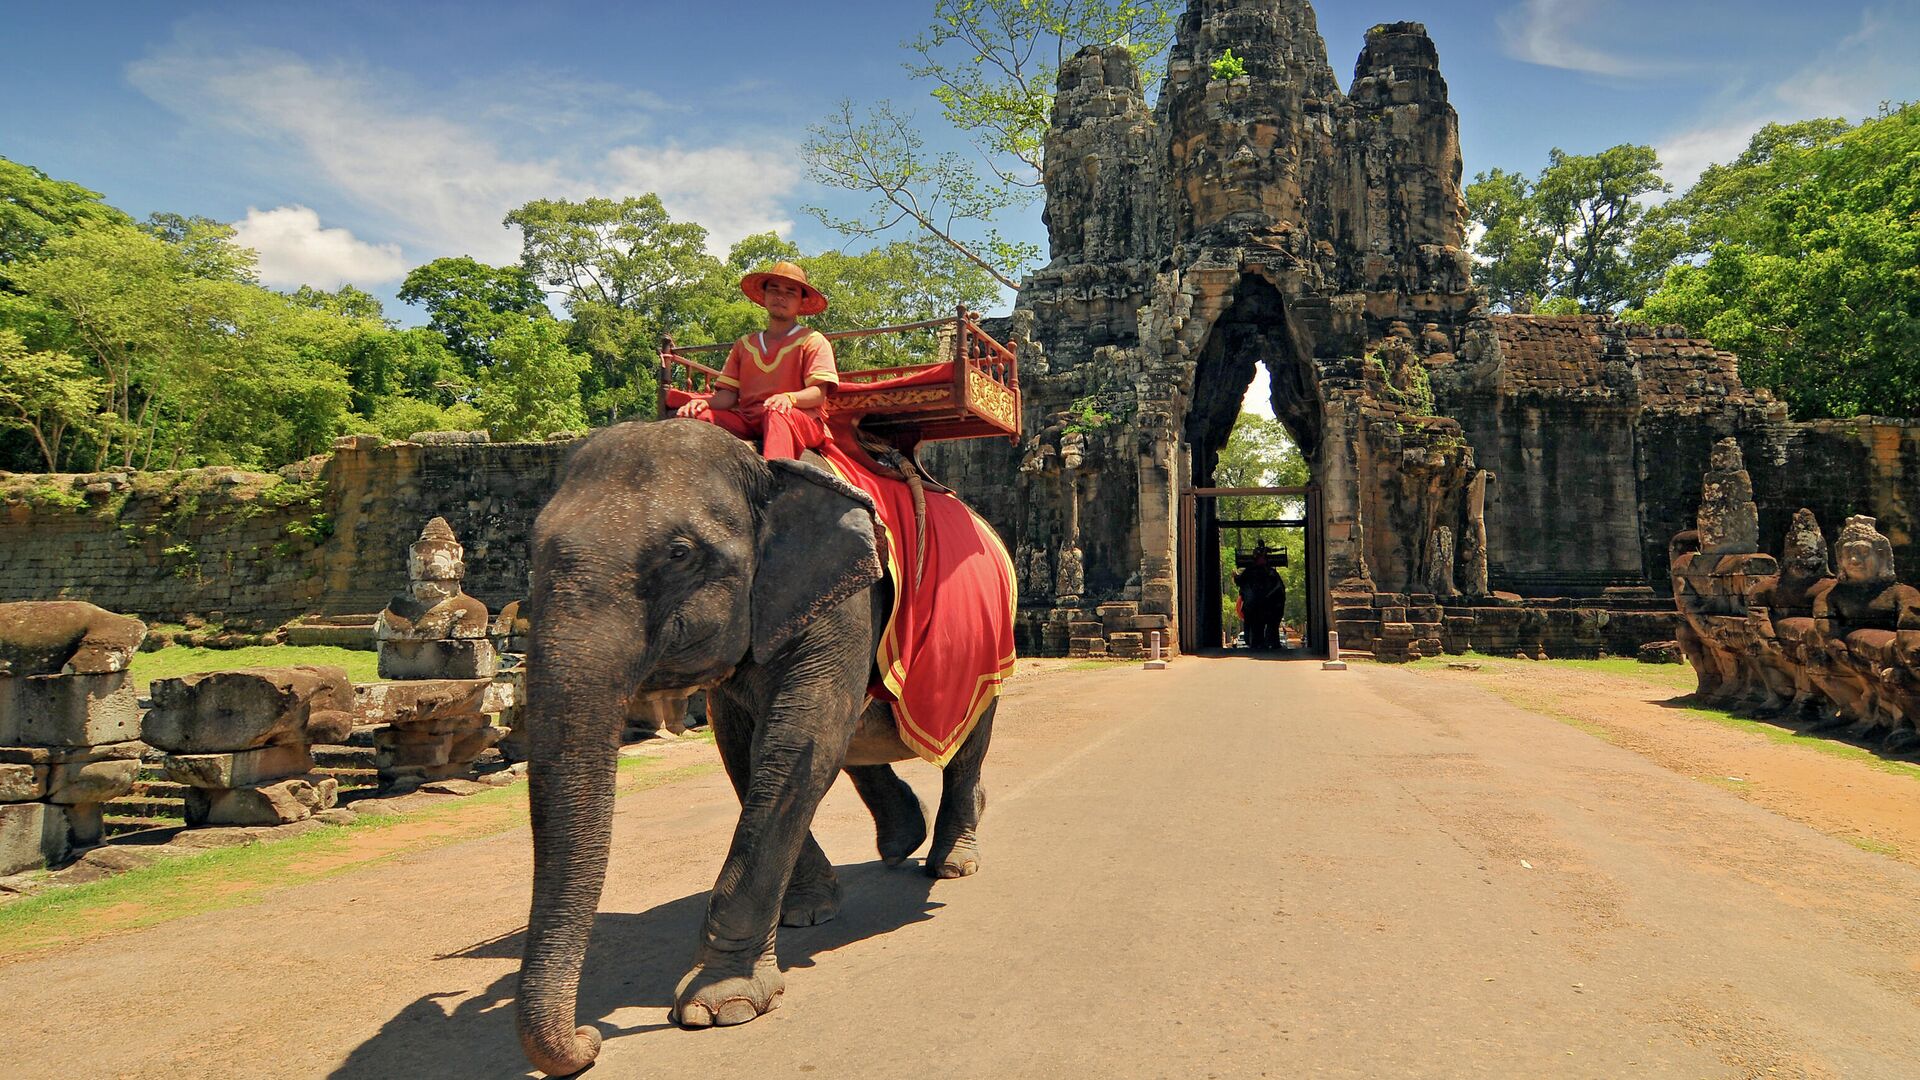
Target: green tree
(400,417)
(628,273)
(35,208)
(993,66)
(1803,256)
(1569,233)
(469,303)
(346,302)
(1261,453)
(49,396)
(196,368)
(533,388)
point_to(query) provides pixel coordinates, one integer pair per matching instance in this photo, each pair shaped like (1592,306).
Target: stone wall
(329,535)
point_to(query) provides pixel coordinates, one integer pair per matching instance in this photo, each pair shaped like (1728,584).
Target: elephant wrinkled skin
(671,557)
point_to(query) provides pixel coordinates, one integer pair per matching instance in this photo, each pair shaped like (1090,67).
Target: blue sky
(353,141)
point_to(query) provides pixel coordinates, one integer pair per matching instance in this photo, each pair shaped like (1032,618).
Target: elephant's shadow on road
(634,962)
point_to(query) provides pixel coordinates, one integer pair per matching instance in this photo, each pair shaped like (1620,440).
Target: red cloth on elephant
(949,642)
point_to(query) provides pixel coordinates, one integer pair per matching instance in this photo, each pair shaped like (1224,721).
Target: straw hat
(812,300)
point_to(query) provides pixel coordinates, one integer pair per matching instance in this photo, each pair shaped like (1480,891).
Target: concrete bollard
(1333,661)
(1156,663)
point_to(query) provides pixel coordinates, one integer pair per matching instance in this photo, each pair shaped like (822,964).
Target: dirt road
(1227,869)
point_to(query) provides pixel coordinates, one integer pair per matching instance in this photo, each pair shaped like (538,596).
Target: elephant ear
(815,549)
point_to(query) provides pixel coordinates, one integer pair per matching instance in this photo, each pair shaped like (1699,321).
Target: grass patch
(1877,847)
(1669,676)
(177,660)
(184,885)
(1788,737)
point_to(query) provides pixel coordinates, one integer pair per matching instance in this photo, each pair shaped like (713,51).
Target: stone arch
(1248,324)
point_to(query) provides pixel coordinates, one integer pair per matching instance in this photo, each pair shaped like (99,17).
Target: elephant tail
(894,465)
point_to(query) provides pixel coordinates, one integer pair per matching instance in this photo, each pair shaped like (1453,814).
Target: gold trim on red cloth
(960,680)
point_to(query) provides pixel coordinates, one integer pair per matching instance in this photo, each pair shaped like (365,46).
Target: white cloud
(1550,33)
(733,192)
(294,250)
(1849,80)
(442,185)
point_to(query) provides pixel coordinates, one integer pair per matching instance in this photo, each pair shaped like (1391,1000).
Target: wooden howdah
(973,393)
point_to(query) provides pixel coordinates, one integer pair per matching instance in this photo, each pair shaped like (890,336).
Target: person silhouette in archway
(1263,599)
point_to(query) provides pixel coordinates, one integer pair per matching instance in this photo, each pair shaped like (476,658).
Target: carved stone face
(1863,556)
(1726,456)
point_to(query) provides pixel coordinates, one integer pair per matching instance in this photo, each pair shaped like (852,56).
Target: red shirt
(759,367)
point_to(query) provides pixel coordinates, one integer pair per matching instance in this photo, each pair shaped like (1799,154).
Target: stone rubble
(69,727)
(242,741)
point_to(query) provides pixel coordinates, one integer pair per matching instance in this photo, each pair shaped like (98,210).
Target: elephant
(673,557)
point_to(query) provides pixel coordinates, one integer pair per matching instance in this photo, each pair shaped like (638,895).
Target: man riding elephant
(1263,600)
(775,381)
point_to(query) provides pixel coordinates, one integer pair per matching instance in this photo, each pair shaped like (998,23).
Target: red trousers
(781,435)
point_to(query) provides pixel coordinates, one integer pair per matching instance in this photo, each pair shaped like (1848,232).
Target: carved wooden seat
(973,393)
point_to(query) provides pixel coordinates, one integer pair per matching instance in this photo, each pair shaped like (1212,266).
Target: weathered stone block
(243,769)
(278,803)
(70,637)
(32,835)
(429,699)
(22,783)
(225,711)
(405,755)
(80,783)
(472,658)
(68,710)
(466,748)
(86,824)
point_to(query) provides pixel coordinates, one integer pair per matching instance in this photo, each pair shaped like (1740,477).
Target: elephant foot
(899,821)
(725,989)
(900,835)
(956,860)
(811,900)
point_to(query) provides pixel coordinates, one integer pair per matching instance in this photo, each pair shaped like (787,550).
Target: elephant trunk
(574,718)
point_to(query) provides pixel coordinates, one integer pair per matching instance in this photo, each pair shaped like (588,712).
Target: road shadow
(635,960)
(1261,654)
(1860,736)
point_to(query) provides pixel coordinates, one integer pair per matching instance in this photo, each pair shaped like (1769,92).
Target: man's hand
(693,409)
(780,403)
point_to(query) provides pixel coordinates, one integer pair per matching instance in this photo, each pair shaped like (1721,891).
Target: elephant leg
(963,798)
(899,821)
(813,894)
(796,753)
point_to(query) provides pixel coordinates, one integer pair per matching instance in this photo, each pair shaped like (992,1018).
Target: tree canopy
(1564,240)
(1803,257)
(153,345)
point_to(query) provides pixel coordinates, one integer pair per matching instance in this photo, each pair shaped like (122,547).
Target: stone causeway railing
(1828,645)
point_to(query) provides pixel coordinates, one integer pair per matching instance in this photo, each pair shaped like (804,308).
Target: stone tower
(1271,219)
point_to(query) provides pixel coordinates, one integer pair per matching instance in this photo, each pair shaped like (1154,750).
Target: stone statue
(434,630)
(1729,522)
(1473,538)
(1440,563)
(1070,580)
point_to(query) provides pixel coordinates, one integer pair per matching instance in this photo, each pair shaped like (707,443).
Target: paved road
(1228,869)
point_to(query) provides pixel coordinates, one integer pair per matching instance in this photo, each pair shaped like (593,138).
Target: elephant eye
(679,549)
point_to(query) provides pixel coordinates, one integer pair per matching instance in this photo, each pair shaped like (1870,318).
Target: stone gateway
(1277,220)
